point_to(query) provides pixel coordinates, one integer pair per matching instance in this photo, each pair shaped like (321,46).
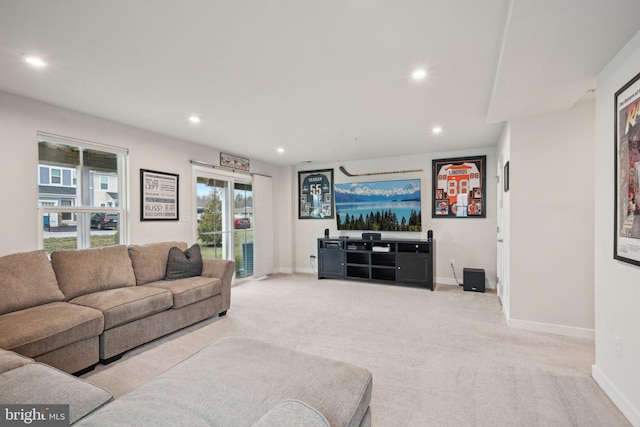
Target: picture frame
(315,194)
(506,177)
(235,162)
(159,196)
(462,180)
(626,228)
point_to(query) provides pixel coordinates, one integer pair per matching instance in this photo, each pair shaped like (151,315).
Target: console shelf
(393,261)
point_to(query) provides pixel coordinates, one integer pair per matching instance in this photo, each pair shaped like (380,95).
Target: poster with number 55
(459,187)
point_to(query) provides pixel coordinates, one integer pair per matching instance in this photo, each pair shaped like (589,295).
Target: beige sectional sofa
(87,305)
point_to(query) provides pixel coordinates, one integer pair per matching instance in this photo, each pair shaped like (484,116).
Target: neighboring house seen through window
(81,193)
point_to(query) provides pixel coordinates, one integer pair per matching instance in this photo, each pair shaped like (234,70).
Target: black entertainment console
(395,261)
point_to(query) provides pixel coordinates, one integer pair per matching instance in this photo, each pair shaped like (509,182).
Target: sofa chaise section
(36,322)
(24,382)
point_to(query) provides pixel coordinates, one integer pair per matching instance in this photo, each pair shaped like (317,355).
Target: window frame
(80,179)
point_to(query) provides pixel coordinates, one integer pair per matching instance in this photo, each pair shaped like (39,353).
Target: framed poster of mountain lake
(315,194)
(459,187)
(379,206)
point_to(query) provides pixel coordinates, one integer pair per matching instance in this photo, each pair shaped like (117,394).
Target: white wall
(471,241)
(617,284)
(21,118)
(551,221)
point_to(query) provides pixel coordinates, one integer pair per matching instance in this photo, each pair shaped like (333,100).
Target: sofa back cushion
(150,261)
(27,280)
(84,271)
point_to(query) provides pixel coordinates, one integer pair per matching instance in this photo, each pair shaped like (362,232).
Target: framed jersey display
(626,245)
(315,194)
(459,187)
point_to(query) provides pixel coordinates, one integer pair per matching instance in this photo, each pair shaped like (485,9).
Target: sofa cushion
(41,329)
(38,384)
(183,264)
(27,280)
(189,290)
(85,271)
(292,413)
(124,305)
(10,360)
(150,261)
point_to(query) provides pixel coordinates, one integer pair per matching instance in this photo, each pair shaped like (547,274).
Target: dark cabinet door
(331,263)
(412,268)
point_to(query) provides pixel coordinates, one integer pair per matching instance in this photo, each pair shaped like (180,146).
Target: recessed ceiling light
(436,129)
(419,74)
(195,119)
(35,61)
(280,150)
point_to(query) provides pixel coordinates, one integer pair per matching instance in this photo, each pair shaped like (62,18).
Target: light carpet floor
(441,358)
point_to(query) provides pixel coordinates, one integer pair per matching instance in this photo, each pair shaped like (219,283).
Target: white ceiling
(326,80)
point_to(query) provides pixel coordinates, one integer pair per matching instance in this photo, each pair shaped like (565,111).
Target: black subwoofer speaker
(473,279)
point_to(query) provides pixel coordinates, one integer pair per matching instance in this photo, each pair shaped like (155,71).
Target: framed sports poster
(158,196)
(459,187)
(315,194)
(626,245)
(234,162)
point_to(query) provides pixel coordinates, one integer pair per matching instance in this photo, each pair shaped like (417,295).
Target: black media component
(371,236)
(430,234)
(473,279)
(326,233)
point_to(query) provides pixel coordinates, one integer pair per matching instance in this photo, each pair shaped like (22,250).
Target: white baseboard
(550,328)
(618,399)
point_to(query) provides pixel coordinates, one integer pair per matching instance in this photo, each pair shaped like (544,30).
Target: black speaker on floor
(473,279)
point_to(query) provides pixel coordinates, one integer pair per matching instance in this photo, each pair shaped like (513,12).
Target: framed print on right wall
(459,186)
(626,231)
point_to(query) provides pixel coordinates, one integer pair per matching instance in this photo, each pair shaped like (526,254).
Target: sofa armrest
(222,269)
(292,413)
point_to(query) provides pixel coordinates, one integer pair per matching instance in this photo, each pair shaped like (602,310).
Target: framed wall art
(159,196)
(459,186)
(234,162)
(315,194)
(626,245)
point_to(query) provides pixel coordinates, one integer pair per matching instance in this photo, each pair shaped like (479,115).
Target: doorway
(224,214)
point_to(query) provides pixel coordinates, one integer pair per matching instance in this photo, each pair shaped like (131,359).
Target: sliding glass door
(224,212)
(214,225)
(243,228)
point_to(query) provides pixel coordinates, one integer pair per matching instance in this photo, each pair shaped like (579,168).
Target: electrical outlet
(452,262)
(617,346)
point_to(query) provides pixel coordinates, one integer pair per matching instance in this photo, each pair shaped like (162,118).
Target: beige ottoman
(237,381)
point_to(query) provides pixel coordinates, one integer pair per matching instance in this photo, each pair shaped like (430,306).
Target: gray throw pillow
(185,264)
